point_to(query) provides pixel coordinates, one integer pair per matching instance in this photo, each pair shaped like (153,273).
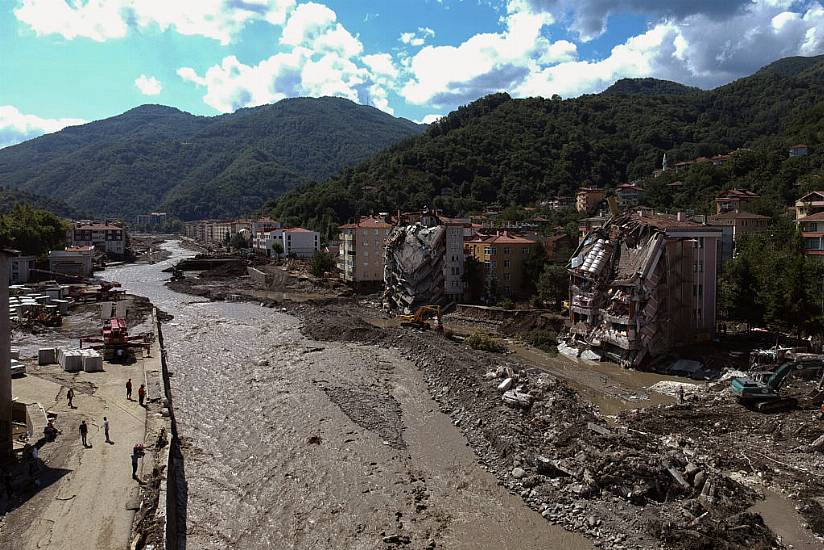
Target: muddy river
(292,443)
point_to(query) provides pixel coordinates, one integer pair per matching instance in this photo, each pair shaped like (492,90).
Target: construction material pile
(72,360)
(414,267)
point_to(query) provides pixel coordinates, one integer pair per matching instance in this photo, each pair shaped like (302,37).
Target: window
(487,251)
(506,251)
(506,276)
(492,264)
(507,263)
(493,250)
(812,243)
(525,251)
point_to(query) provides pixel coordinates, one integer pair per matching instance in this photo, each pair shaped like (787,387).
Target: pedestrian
(681,393)
(84,431)
(137,453)
(106,429)
(70,396)
(141,393)
(129,389)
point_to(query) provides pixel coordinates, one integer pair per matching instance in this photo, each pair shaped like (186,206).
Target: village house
(812,233)
(587,225)
(558,245)
(20,268)
(735,225)
(587,199)
(809,204)
(105,237)
(629,195)
(734,200)
(800,150)
(643,284)
(502,256)
(361,258)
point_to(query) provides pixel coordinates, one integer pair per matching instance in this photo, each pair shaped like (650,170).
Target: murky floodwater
(291,443)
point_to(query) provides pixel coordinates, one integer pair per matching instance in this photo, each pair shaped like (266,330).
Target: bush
(484,342)
(321,263)
(544,339)
(506,303)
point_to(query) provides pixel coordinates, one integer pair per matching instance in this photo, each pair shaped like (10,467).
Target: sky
(66,62)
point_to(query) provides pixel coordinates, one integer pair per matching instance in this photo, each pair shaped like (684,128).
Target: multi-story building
(295,242)
(812,233)
(361,258)
(20,268)
(587,199)
(629,195)
(502,255)
(799,150)
(151,221)
(734,200)
(735,225)
(811,203)
(105,237)
(643,284)
(263,225)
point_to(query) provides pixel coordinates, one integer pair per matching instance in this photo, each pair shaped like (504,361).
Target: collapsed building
(414,266)
(643,284)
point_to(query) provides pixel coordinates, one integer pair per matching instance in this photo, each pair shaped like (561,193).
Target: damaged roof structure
(643,284)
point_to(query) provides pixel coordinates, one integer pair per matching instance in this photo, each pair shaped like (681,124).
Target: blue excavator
(761,390)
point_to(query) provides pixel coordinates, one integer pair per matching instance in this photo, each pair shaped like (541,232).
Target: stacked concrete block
(92,361)
(70,359)
(46,356)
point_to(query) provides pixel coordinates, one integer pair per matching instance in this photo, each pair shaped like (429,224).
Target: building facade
(588,198)
(734,200)
(74,261)
(642,285)
(812,233)
(502,255)
(105,237)
(20,268)
(361,258)
(629,195)
(735,225)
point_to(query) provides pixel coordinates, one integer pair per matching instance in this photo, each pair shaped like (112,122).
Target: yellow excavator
(420,319)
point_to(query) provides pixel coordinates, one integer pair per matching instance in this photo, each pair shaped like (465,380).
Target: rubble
(414,267)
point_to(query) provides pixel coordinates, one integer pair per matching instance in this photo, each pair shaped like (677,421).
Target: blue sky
(67,61)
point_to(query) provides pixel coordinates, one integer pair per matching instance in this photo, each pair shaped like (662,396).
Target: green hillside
(648,86)
(155,157)
(519,151)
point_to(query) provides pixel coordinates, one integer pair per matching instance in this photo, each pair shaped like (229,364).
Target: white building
(72,261)
(20,268)
(296,241)
(107,238)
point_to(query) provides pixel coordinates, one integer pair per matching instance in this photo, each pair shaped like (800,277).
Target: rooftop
(501,237)
(297,230)
(817,217)
(98,226)
(738,193)
(368,223)
(733,215)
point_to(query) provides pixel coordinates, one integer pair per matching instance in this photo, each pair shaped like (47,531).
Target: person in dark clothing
(129,389)
(137,453)
(70,397)
(84,431)
(141,394)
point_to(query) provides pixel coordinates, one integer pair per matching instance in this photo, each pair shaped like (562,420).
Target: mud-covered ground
(322,431)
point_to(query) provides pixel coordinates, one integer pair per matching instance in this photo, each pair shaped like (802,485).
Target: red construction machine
(114,342)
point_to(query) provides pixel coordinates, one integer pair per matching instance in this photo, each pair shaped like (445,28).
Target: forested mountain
(648,86)
(9,198)
(518,151)
(155,157)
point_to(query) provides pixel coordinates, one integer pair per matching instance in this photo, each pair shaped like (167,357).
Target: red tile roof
(504,237)
(297,230)
(369,223)
(817,217)
(738,216)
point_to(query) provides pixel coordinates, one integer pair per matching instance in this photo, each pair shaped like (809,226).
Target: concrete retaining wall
(259,277)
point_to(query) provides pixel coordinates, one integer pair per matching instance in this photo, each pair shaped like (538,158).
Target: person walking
(106,429)
(70,397)
(141,393)
(84,431)
(129,389)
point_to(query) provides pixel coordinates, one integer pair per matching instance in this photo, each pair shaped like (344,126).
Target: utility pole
(6,441)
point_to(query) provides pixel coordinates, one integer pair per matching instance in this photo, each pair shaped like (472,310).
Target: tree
(322,262)
(473,279)
(553,284)
(277,248)
(238,241)
(32,231)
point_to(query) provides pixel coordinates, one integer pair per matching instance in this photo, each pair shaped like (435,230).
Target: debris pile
(414,266)
(641,285)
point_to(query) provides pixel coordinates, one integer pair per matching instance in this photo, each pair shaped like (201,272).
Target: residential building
(105,237)
(151,221)
(734,200)
(588,198)
(735,225)
(361,258)
(20,268)
(263,225)
(295,242)
(812,233)
(800,150)
(502,256)
(629,195)
(587,225)
(643,284)
(559,245)
(217,231)
(73,261)
(809,204)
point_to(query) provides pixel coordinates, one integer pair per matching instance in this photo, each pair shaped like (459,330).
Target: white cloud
(148,85)
(381,64)
(314,26)
(417,38)
(16,126)
(429,119)
(103,20)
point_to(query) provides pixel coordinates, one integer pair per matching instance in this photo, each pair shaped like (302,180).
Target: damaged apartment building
(643,284)
(423,261)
